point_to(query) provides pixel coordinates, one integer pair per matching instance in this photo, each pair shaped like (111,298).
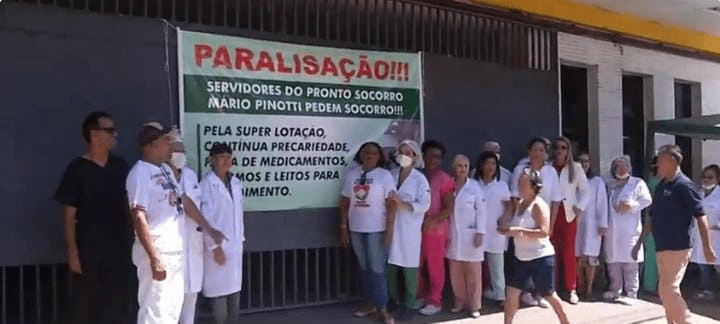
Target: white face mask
(708,187)
(404,160)
(623,176)
(178,159)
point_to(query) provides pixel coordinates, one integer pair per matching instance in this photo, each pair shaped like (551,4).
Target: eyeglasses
(109,130)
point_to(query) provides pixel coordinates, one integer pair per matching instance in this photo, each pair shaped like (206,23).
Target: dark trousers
(106,292)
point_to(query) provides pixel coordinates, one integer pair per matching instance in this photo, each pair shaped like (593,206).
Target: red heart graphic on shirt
(361,191)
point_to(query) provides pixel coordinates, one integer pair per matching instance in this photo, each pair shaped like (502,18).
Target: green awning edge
(704,127)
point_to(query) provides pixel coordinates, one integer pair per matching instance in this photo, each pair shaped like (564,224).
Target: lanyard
(178,203)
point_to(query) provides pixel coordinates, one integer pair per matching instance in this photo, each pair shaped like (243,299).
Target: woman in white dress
(497,201)
(467,228)
(222,205)
(592,225)
(412,199)
(628,196)
(711,204)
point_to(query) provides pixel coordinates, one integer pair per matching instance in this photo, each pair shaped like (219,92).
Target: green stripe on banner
(208,94)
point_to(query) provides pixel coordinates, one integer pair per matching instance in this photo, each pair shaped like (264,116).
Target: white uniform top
(550,191)
(624,229)
(193,238)
(496,192)
(505,175)
(596,216)
(367,212)
(575,193)
(711,204)
(528,248)
(407,234)
(469,218)
(153,189)
(224,211)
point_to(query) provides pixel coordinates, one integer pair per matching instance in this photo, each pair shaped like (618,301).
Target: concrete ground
(646,311)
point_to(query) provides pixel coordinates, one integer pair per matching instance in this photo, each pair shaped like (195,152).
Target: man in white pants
(156,201)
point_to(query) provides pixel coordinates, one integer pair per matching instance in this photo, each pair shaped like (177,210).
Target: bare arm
(705,237)
(540,232)
(142,230)
(343,221)
(69,215)
(194,213)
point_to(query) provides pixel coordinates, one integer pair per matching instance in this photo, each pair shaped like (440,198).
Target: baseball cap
(150,132)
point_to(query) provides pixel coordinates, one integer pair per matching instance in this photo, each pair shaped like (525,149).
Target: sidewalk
(643,312)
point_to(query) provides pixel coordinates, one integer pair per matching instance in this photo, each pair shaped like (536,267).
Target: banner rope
(166,25)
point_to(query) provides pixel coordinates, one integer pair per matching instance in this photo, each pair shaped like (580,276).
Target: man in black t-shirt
(98,233)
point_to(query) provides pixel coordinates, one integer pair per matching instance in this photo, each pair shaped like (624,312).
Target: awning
(704,127)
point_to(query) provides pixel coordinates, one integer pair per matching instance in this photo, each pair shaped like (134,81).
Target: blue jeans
(372,257)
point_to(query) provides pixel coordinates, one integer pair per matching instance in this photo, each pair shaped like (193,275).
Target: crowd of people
(550,223)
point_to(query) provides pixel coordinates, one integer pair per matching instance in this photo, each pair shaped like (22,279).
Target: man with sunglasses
(98,234)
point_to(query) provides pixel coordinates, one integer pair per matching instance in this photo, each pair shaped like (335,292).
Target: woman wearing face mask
(366,216)
(467,228)
(193,243)
(591,226)
(412,199)
(711,203)
(222,204)
(497,201)
(628,196)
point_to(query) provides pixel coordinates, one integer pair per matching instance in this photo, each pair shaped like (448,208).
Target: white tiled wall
(612,60)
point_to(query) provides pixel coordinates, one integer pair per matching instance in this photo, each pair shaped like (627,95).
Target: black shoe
(392,306)
(405,313)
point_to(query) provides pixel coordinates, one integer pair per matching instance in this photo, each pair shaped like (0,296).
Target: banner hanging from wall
(293,115)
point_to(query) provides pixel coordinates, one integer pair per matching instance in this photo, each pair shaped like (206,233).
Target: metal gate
(304,276)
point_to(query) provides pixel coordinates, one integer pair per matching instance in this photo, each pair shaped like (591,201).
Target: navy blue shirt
(676,203)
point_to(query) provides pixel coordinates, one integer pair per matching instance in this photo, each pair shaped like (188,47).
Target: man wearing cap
(97,228)
(158,205)
(676,203)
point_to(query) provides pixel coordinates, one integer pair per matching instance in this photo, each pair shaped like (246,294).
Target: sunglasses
(363,178)
(561,147)
(109,130)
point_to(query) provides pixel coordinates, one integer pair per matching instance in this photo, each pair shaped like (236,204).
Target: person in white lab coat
(158,206)
(497,201)
(711,204)
(574,188)
(592,225)
(193,237)
(222,204)
(412,199)
(505,174)
(467,228)
(628,196)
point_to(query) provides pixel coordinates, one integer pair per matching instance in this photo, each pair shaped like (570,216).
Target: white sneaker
(430,310)
(543,303)
(574,299)
(611,295)
(475,314)
(528,299)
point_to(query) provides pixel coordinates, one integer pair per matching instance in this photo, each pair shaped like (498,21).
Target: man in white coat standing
(157,205)
(222,204)
(193,236)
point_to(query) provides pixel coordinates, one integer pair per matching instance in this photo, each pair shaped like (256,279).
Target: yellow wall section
(626,24)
